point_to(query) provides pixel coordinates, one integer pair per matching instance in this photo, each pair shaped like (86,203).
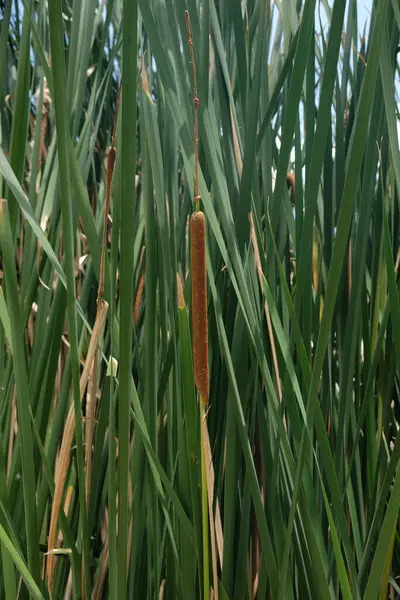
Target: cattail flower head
(199,304)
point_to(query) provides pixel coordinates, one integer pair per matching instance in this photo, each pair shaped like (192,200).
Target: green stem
(204,507)
(127,203)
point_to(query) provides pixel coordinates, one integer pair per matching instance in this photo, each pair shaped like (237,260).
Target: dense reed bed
(199,301)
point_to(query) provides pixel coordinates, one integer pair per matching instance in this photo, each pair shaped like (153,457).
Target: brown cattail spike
(109,175)
(199,303)
(110,169)
(138,300)
(291,184)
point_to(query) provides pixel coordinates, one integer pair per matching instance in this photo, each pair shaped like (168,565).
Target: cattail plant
(199,316)
(198,257)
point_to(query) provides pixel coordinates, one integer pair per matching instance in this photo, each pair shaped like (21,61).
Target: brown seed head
(110,166)
(291,184)
(199,304)
(138,299)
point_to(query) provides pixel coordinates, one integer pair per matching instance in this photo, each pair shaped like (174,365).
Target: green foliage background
(303,299)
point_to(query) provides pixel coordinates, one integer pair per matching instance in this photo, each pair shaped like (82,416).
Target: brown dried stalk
(217,536)
(179,286)
(63,461)
(91,402)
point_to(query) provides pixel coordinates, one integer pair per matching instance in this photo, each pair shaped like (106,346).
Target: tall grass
(114,482)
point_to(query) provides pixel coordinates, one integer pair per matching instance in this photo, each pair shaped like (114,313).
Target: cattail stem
(204,506)
(109,175)
(196,103)
(199,313)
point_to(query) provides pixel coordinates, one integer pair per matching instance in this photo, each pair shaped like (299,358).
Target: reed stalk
(199,314)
